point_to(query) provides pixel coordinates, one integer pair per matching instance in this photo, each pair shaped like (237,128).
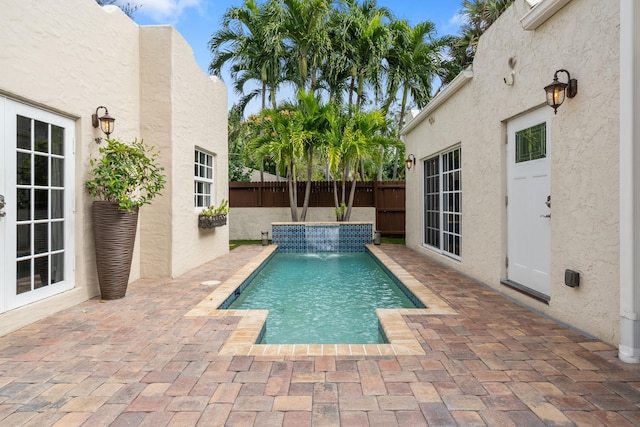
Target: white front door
(529,202)
(37,222)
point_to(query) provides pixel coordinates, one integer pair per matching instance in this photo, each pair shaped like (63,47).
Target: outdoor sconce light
(106,122)
(410,161)
(556,91)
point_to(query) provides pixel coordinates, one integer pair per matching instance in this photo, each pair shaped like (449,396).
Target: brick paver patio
(141,361)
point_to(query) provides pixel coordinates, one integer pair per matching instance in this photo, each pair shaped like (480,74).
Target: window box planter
(211,221)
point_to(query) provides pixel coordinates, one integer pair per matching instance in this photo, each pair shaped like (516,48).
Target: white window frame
(204,198)
(449,219)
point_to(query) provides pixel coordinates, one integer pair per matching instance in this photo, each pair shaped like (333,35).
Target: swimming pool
(322,297)
(248,326)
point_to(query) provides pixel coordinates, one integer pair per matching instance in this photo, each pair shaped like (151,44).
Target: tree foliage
(477,16)
(355,69)
(128,8)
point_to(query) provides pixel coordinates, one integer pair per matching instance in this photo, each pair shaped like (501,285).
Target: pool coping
(242,340)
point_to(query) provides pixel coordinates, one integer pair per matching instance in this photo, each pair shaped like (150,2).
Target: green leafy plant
(340,212)
(220,210)
(127,174)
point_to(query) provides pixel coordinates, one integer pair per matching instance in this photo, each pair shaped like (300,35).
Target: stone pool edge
(242,340)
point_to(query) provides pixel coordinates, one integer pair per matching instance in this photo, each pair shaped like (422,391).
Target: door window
(531,143)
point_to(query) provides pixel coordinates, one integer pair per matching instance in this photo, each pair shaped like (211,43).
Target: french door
(36,195)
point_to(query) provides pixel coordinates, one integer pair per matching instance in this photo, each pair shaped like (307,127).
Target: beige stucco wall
(53,56)
(196,116)
(582,38)
(249,223)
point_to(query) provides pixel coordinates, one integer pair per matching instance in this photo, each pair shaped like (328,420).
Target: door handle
(2,205)
(545,216)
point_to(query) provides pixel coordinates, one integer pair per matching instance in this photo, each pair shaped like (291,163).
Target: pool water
(322,298)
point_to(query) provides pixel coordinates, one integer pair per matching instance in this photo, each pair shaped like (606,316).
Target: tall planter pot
(115,233)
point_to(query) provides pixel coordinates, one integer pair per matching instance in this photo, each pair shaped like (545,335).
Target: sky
(197,20)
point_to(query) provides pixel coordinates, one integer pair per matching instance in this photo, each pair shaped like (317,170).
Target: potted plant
(125,177)
(214,217)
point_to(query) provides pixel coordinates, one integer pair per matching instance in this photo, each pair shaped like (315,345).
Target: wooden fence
(386,196)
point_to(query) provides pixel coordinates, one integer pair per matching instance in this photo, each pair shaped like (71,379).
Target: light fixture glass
(410,161)
(556,91)
(105,122)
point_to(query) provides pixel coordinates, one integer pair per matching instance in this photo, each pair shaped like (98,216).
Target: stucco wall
(196,116)
(582,38)
(53,56)
(52,60)
(248,223)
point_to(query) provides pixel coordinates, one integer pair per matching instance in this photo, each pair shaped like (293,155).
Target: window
(203,179)
(443,202)
(531,143)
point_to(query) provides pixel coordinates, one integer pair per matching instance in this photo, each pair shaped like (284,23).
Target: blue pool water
(322,298)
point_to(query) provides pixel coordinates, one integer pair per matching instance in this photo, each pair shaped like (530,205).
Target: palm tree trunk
(344,184)
(405,93)
(272,96)
(360,99)
(307,191)
(293,197)
(352,88)
(264,104)
(352,194)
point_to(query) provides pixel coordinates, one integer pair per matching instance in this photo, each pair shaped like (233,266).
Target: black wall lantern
(106,122)
(557,90)
(411,160)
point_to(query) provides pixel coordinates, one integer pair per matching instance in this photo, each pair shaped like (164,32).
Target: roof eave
(454,86)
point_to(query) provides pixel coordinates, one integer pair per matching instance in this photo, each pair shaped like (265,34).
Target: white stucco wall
(582,38)
(249,223)
(53,56)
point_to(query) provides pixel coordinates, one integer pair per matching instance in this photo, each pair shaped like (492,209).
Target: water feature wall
(321,236)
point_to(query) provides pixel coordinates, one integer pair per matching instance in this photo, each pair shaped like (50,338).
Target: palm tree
(367,37)
(351,138)
(249,41)
(303,26)
(282,138)
(312,118)
(412,64)
(335,70)
(478,15)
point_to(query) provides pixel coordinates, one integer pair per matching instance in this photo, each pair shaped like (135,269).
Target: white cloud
(457,19)
(165,11)
(453,24)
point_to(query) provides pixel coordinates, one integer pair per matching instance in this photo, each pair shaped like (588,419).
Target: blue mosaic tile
(322,237)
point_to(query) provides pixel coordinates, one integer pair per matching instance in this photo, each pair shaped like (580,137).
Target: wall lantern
(411,160)
(556,91)
(106,122)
